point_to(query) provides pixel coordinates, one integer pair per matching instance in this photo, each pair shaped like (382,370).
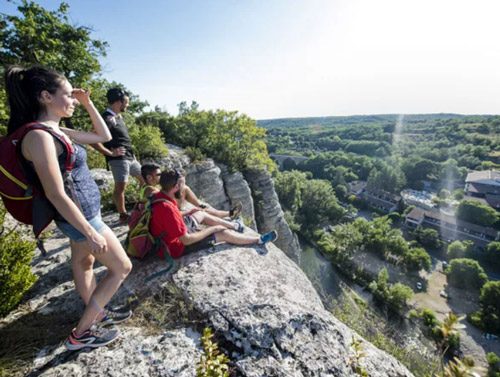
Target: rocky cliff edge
(266,315)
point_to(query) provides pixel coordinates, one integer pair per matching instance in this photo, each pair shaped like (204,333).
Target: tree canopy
(466,273)
(476,213)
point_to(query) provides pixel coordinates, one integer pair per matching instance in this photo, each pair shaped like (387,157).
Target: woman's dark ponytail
(23,88)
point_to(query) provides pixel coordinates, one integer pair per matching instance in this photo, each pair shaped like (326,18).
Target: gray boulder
(237,190)
(268,212)
(204,179)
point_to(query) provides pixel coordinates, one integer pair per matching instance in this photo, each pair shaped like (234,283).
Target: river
(320,271)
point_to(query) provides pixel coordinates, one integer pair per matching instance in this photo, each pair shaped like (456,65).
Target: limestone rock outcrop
(268,212)
(269,318)
(205,180)
(238,190)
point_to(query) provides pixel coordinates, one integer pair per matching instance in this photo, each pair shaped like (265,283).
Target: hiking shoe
(238,226)
(91,338)
(124,218)
(235,211)
(268,237)
(112,317)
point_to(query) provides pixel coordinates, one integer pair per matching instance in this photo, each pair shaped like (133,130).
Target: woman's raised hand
(82,95)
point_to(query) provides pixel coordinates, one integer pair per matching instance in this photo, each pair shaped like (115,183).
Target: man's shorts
(121,169)
(193,226)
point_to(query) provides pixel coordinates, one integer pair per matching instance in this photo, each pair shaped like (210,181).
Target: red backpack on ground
(18,194)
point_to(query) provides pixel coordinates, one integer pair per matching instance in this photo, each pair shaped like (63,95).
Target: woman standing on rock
(42,96)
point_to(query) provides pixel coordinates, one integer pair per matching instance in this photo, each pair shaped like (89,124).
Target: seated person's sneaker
(268,237)
(112,317)
(238,226)
(91,338)
(235,211)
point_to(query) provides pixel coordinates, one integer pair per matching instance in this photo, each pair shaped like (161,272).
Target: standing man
(118,151)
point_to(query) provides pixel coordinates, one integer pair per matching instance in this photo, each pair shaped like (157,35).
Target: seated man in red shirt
(181,237)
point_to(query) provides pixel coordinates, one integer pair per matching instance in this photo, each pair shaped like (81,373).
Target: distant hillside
(332,121)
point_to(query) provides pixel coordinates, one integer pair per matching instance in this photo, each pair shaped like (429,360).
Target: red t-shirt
(167,218)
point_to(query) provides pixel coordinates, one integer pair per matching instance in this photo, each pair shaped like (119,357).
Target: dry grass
(168,309)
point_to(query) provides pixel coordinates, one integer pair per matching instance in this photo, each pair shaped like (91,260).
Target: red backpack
(17,192)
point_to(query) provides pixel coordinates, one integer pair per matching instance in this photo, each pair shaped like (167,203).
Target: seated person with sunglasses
(184,237)
(151,175)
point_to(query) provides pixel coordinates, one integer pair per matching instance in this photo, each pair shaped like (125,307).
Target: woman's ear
(45,96)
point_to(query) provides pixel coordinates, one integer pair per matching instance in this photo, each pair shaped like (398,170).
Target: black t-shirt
(119,134)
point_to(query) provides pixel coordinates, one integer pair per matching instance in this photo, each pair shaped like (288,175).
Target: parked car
(444,294)
(419,286)
(444,265)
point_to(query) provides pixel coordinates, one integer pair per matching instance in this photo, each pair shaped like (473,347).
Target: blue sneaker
(268,237)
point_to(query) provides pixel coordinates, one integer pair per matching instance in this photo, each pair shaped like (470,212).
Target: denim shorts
(121,169)
(74,235)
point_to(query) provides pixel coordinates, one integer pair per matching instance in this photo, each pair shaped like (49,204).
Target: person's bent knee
(125,268)
(122,269)
(86,263)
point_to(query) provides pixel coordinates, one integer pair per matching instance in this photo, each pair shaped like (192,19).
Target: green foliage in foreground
(212,363)
(15,270)
(358,316)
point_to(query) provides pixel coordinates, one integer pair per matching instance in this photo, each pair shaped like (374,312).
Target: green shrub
(466,273)
(212,363)
(15,270)
(494,364)
(429,318)
(194,154)
(95,159)
(488,317)
(132,195)
(147,141)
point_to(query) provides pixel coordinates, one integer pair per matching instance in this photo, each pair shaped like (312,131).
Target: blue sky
(277,58)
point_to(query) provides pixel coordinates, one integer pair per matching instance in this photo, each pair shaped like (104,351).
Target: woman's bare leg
(82,264)
(119,266)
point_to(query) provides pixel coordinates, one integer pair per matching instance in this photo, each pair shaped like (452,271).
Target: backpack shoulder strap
(152,202)
(70,151)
